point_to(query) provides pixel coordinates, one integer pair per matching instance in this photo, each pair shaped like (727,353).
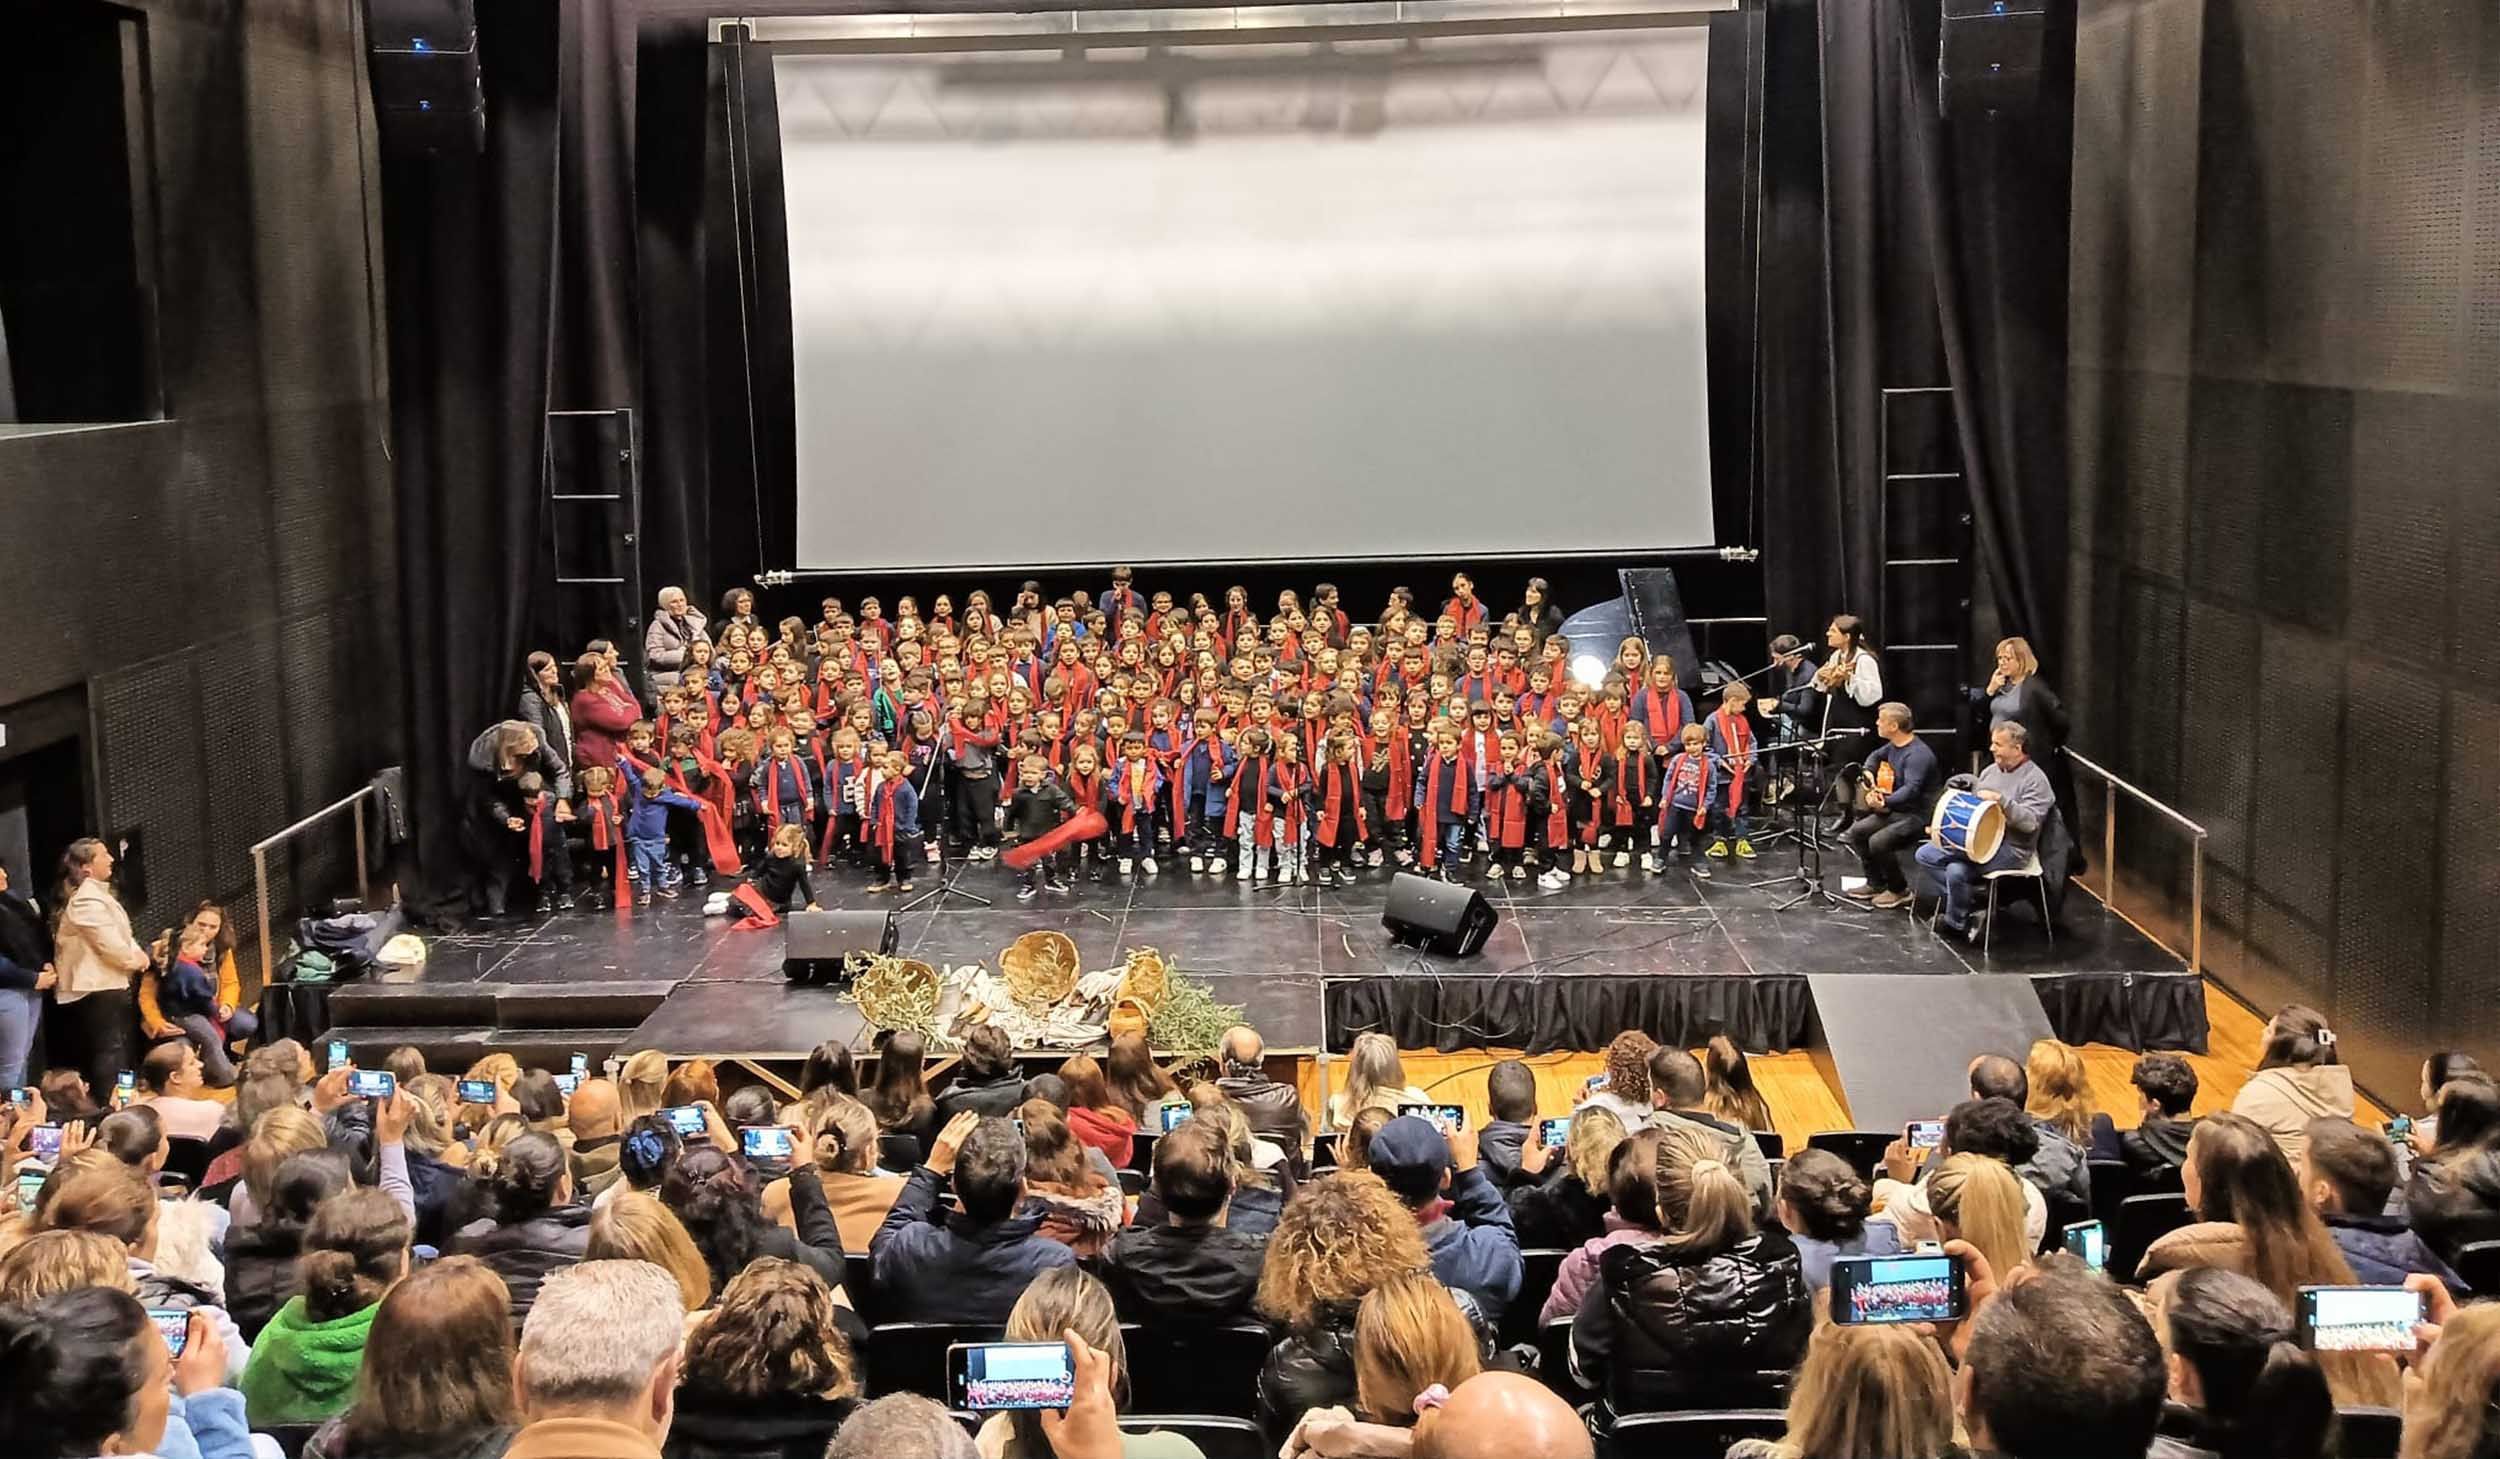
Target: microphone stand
(945,878)
(1807,874)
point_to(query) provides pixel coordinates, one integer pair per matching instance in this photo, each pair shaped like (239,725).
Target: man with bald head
(1274,1110)
(592,1115)
(1502,1416)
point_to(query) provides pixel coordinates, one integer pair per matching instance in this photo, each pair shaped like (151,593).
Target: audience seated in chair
(599,1363)
(1466,1225)
(1194,1268)
(1562,1202)
(1996,1128)
(768,1372)
(1681,1093)
(2298,1079)
(2165,1087)
(1510,1101)
(1059,1302)
(2348,1173)
(1412,1347)
(2061,1359)
(986,1080)
(1079,1207)
(1502,1416)
(1631,1220)
(1344,1235)
(535,1228)
(2237,1382)
(969,1265)
(1875,1390)
(1823,1206)
(2453,1197)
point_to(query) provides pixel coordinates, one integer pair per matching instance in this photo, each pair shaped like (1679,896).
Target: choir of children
(1293,748)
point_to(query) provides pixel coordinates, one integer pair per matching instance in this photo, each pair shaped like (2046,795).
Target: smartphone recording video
(1926,1134)
(1449,1119)
(372,1084)
(767,1144)
(995,1377)
(2359,1319)
(477,1091)
(688,1118)
(1923,1287)
(1553,1133)
(1176,1115)
(2088,1240)
(175,1324)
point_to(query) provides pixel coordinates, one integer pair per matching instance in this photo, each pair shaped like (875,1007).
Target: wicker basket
(897,993)
(1040,968)
(1146,979)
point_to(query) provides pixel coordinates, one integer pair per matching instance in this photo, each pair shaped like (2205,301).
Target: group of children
(1295,749)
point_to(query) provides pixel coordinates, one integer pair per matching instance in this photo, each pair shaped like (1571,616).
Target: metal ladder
(592,478)
(1923,528)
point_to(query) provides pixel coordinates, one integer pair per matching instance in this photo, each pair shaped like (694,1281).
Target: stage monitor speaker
(819,944)
(428,92)
(1446,920)
(1988,55)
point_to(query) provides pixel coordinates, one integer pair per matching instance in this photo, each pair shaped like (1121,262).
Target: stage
(1678,957)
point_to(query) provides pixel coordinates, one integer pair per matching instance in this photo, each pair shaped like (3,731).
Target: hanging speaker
(428,91)
(1988,55)
(817,945)
(1440,918)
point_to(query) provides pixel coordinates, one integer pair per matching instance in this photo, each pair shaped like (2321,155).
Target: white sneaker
(985,853)
(1555,880)
(1198,863)
(1300,876)
(1623,858)
(1405,857)
(1149,865)
(1128,865)
(1605,840)
(1216,865)
(1653,862)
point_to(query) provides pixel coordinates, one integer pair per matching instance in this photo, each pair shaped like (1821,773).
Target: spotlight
(1589,671)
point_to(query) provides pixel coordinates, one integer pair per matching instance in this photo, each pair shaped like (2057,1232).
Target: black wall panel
(2285,442)
(222,580)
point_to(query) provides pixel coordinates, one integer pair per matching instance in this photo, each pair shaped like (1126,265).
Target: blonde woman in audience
(281,1132)
(1979,1200)
(59,1261)
(2450,1412)
(1354,1142)
(639,1085)
(634,1226)
(2061,1095)
(1374,1079)
(1412,1346)
(1060,1301)
(843,1135)
(1865,1392)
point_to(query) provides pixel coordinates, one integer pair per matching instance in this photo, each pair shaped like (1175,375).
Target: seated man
(1677,1087)
(2347,1173)
(2165,1086)
(592,1117)
(1511,1091)
(1896,793)
(1473,1246)
(2060,1365)
(1274,1110)
(2022,787)
(1498,1415)
(2059,1165)
(1192,1269)
(969,1266)
(1996,1128)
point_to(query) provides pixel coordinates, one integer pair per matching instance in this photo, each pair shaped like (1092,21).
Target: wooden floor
(1802,1102)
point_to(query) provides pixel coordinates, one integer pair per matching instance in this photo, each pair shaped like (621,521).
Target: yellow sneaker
(1718,849)
(1744,849)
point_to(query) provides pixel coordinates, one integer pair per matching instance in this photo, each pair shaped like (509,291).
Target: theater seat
(1698,1431)
(2368,1433)
(2479,1263)
(1197,1370)
(910,1357)
(1538,1267)
(2143,1220)
(290,1438)
(1217,1436)
(1863,1149)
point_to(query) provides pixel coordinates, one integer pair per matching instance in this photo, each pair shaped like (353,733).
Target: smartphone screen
(1554,1132)
(127,1085)
(1926,1134)
(477,1091)
(338,1053)
(1449,1119)
(992,1377)
(372,1084)
(2086,1239)
(175,1324)
(2359,1319)
(1176,1115)
(44,1142)
(766,1144)
(581,1065)
(18,1097)
(1923,1287)
(1595,1083)
(687,1118)
(567,1083)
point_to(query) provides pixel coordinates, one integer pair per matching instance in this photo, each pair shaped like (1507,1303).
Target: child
(1250,784)
(1039,806)
(1136,788)
(1388,786)
(1206,774)
(550,861)
(1590,773)
(1510,794)
(776,883)
(785,792)
(1550,753)
(646,833)
(1690,778)
(1731,739)
(1289,786)
(846,787)
(1086,790)
(975,734)
(1662,707)
(893,824)
(1636,795)
(1446,805)
(1339,828)
(602,814)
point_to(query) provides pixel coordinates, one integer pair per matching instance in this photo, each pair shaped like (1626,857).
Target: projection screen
(1198,307)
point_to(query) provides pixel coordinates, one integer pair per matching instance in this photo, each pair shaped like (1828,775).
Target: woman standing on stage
(2017,692)
(96,956)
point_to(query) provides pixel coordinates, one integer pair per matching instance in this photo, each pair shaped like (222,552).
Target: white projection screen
(1233,304)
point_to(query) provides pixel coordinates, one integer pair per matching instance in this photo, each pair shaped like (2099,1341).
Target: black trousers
(1880,838)
(976,811)
(96,1038)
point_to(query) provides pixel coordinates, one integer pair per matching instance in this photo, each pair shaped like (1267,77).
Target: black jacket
(1175,1276)
(261,1261)
(25,941)
(998,1095)
(1558,1213)
(935,1265)
(1309,1368)
(2156,1148)
(1497,1149)
(436,1186)
(1274,1110)
(1253,1212)
(1666,1329)
(719,1426)
(1037,810)
(526,1253)
(2455,1199)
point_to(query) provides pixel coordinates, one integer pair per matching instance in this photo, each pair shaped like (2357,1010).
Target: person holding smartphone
(1473,1245)
(970,1266)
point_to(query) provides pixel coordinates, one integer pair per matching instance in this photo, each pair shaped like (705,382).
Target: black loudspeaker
(428,95)
(1988,55)
(819,944)
(1447,920)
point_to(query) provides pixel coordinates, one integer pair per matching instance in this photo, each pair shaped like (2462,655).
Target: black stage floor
(1565,969)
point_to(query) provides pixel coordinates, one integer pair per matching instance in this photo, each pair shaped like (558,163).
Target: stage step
(449,1048)
(1898,1046)
(587,1004)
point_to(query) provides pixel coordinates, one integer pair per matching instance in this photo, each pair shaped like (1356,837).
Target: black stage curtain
(1909,249)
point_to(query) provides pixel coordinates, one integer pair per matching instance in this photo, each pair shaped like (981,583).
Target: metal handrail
(2111,785)
(354,802)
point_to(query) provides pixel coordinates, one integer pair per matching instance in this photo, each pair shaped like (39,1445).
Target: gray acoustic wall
(2285,402)
(222,581)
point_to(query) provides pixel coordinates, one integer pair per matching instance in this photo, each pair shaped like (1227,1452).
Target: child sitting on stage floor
(776,883)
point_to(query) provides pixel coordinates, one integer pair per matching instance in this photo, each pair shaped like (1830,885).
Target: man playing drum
(2021,789)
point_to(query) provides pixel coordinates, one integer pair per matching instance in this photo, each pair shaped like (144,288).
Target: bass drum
(1968,824)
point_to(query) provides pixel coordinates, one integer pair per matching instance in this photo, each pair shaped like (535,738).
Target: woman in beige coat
(97,958)
(2298,1079)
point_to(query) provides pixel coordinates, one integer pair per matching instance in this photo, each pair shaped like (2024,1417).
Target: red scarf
(1694,770)
(1343,793)
(1262,815)
(884,817)
(538,835)
(1140,783)
(1557,807)
(715,810)
(1631,783)
(1736,743)
(1663,713)
(1437,803)
(1086,791)
(774,769)
(1506,811)
(607,833)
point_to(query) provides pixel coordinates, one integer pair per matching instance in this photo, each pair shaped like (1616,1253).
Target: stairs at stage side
(455,1025)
